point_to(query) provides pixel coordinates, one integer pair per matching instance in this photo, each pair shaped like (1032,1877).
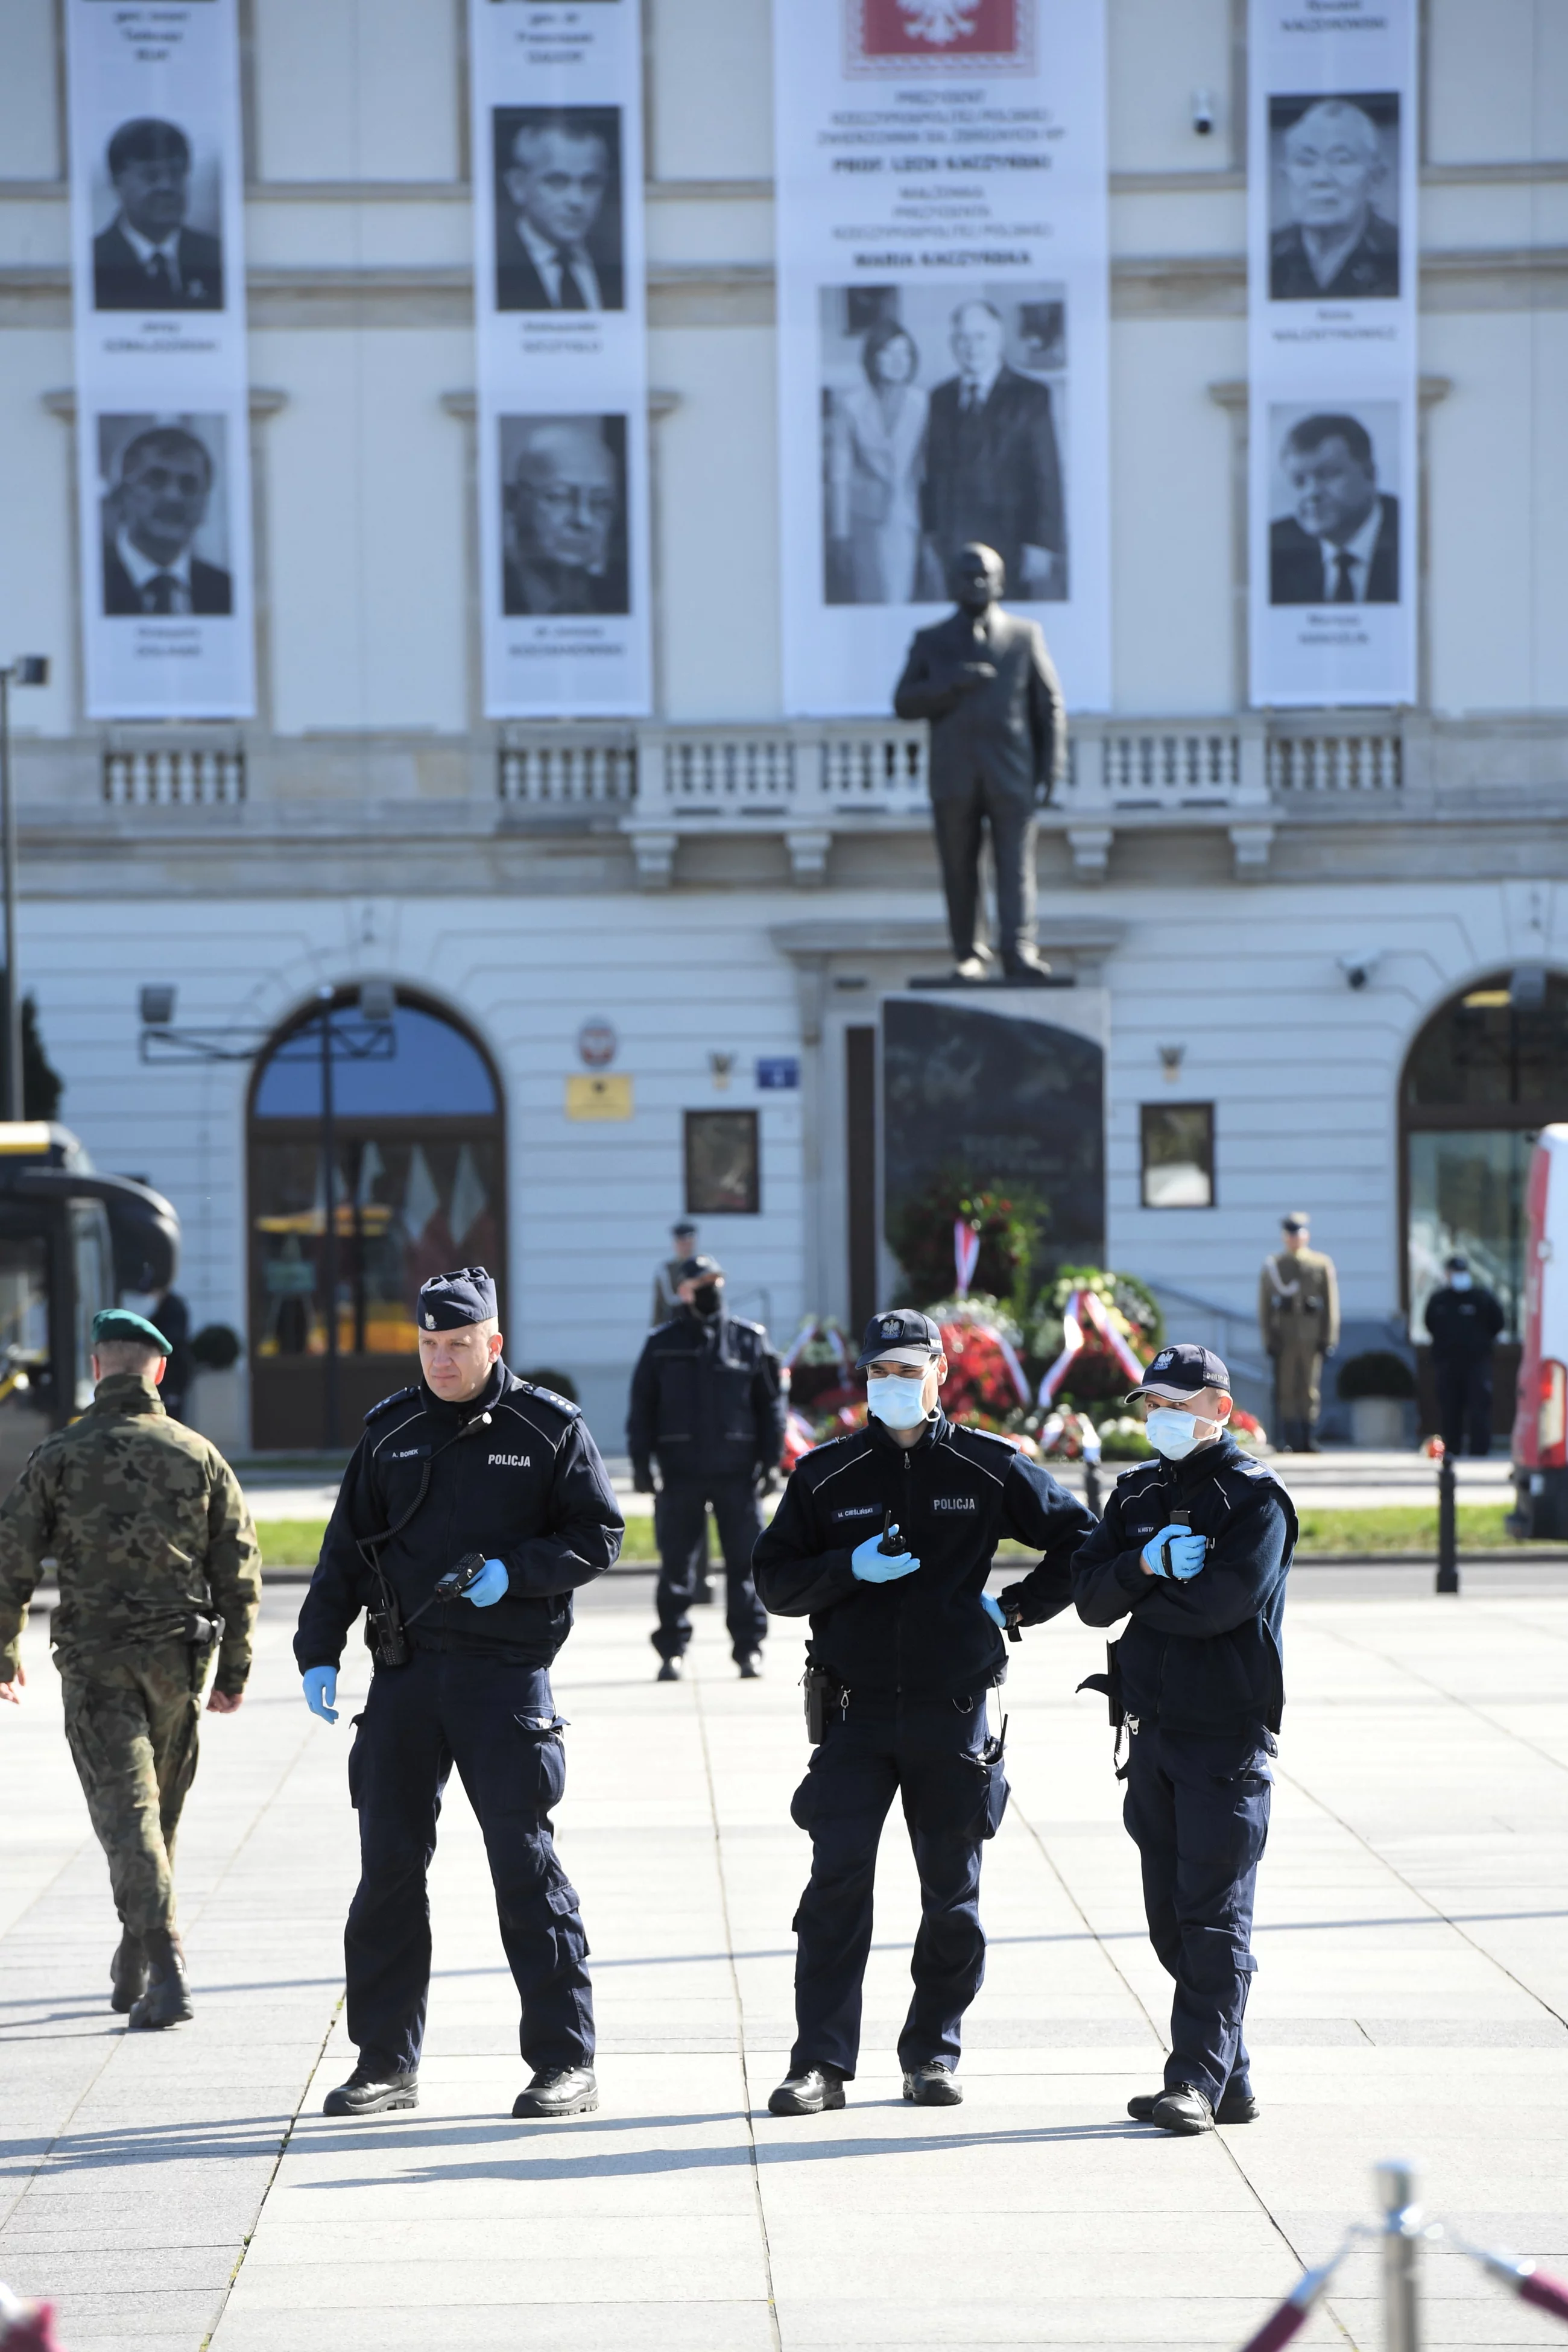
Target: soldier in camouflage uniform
(158,1566)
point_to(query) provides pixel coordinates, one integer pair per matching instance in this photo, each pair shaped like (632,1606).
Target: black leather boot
(167,2000)
(557,2092)
(127,1973)
(372,2094)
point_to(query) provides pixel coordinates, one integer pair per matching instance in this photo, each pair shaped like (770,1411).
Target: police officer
(1463,1323)
(885,1539)
(158,1569)
(708,1401)
(1299,1321)
(1194,1549)
(471,1466)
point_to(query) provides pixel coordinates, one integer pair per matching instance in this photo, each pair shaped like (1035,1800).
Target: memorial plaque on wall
(562,358)
(158,271)
(942,329)
(1334,260)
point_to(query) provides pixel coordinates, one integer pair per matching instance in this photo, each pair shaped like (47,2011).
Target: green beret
(118,1323)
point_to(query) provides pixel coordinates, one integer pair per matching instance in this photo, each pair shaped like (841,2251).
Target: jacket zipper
(908,1492)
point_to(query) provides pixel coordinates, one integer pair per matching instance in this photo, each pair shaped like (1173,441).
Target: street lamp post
(27,669)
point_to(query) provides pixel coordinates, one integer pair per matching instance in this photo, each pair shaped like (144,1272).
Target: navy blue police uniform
(514,1476)
(909,1664)
(1463,1326)
(708,1401)
(1198,1679)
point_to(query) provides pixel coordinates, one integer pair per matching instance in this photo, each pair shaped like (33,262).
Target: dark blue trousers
(498,1724)
(680,1529)
(1197,1810)
(927,1753)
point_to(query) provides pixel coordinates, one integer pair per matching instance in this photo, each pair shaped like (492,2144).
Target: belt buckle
(1133,1723)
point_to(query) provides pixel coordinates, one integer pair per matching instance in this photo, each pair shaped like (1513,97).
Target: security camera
(1359,968)
(1202,113)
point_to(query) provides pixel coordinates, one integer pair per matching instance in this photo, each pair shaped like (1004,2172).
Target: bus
(1541,1422)
(72,1241)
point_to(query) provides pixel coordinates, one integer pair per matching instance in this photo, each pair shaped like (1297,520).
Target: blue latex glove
(876,1567)
(490,1586)
(993,1610)
(1188,1553)
(321,1690)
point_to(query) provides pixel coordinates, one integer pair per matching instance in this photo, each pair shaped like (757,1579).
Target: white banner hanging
(158,268)
(942,308)
(1334,260)
(563,360)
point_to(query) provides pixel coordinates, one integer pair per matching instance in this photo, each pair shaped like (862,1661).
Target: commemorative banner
(1333,264)
(158,272)
(942,308)
(563,361)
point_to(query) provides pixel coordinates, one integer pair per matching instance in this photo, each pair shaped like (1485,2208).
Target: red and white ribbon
(965,1254)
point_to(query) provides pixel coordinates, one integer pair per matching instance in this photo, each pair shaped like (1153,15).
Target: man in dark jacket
(708,1401)
(885,1539)
(479,1472)
(1463,1323)
(992,470)
(147,260)
(1195,1548)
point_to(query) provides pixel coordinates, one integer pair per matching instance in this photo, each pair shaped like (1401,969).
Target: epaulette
(987,1437)
(398,1396)
(548,1396)
(759,1328)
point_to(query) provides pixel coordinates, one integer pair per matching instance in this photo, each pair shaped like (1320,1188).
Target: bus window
(24,1305)
(93,1262)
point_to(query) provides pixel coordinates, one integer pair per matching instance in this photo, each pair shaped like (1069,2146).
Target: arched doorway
(1488,1070)
(419,1185)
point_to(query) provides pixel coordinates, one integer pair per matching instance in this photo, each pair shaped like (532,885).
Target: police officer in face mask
(1194,1549)
(885,1539)
(1463,1320)
(708,1401)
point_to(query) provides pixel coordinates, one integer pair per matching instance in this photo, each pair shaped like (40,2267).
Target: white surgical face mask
(900,1403)
(1461,1281)
(1174,1433)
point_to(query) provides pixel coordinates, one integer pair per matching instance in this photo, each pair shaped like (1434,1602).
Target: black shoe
(559,2090)
(750,1662)
(372,2094)
(127,1973)
(932,2085)
(703,1596)
(1182,2110)
(167,2000)
(808,2093)
(671,1671)
(1235,2107)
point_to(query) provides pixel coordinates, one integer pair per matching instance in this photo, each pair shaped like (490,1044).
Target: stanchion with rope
(1401,2235)
(1447,1525)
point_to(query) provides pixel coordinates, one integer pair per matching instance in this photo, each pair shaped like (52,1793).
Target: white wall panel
(711,86)
(1496,81)
(1160,56)
(37,569)
(357,89)
(29,94)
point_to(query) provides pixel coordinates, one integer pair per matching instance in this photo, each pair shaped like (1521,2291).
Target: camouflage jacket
(149,1531)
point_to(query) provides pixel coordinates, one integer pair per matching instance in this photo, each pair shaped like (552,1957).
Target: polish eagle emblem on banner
(893,35)
(938,21)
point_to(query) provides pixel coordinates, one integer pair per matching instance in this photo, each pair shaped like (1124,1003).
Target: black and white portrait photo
(939,427)
(564,515)
(159,247)
(164,511)
(559,241)
(1333,530)
(1334,199)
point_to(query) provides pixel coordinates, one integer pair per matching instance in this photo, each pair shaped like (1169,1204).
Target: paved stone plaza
(176,2190)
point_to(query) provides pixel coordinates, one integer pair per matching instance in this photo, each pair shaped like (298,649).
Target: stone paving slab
(184,2190)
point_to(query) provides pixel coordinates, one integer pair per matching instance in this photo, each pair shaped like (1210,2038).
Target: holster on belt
(1109,1682)
(823,1691)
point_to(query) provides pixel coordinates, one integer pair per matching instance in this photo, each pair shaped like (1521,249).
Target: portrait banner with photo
(562,359)
(158,271)
(1333,104)
(942,298)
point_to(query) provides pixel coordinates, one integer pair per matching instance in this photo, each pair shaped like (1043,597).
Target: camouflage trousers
(133,1726)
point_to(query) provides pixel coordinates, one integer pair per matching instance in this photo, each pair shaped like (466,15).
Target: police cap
(902,1336)
(447,1301)
(118,1323)
(1182,1372)
(1297,1221)
(700,1269)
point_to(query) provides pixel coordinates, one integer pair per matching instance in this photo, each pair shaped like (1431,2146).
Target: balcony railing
(173,774)
(568,767)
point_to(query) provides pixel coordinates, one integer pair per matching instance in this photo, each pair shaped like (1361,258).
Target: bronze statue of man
(998,742)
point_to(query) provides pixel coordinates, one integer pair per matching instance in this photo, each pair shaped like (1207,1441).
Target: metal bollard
(1092,1487)
(1402,2230)
(1447,1528)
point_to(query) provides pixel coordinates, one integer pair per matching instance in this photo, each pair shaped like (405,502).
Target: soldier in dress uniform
(1298,1319)
(159,1567)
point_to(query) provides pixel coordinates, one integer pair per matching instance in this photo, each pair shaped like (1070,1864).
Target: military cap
(1298,1221)
(902,1336)
(700,1269)
(448,1301)
(118,1323)
(1182,1372)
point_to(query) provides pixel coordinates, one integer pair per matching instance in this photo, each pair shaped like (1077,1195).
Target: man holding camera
(885,1539)
(1194,1549)
(474,1506)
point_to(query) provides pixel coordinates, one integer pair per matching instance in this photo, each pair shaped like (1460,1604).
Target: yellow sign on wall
(605,1096)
